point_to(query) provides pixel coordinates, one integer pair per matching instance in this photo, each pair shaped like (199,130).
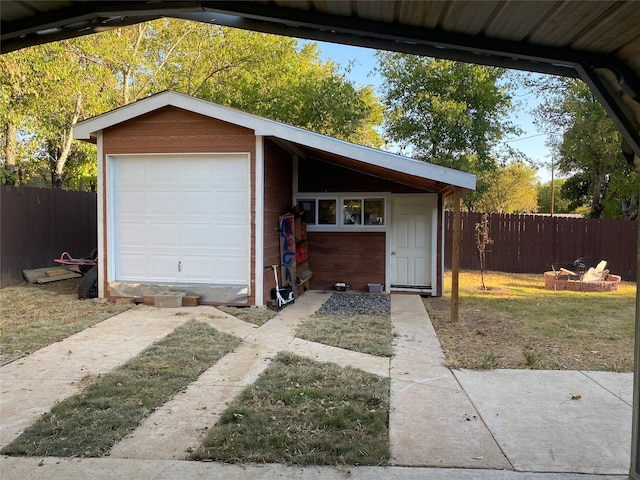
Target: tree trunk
(58,175)
(10,146)
(596,202)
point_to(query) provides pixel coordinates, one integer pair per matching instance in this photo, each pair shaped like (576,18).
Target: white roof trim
(263,126)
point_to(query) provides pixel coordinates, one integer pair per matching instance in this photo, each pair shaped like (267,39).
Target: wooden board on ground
(48,274)
(68,276)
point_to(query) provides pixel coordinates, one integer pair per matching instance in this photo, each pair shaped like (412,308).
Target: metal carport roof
(599,41)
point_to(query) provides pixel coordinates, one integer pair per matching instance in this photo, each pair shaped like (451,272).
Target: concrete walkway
(502,424)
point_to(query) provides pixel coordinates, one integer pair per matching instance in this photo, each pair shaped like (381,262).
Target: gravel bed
(356,304)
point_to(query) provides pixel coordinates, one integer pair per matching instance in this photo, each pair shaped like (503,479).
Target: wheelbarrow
(88,267)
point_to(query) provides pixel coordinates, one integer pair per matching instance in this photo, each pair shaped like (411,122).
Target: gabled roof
(368,160)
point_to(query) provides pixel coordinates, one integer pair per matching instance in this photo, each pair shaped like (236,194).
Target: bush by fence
(531,243)
(37,224)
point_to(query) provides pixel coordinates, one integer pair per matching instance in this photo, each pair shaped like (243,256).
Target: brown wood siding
(317,176)
(277,198)
(174,130)
(356,258)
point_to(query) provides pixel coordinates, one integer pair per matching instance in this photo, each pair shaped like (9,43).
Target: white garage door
(181,218)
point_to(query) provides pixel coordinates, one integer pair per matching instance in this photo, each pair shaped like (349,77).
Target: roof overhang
(304,143)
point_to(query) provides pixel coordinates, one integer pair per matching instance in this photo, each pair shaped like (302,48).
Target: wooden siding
(277,198)
(174,130)
(317,176)
(356,258)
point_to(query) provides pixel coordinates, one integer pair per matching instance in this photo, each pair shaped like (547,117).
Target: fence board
(531,243)
(37,224)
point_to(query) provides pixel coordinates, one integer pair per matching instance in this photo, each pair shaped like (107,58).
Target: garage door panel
(201,173)
(163,235)
(198,268)
(231,236)
(231,171)
(133,234)
(163,202)
(163,172)
(231,204)
(198,235)
(129,173)
(181,218)
(197,202)
(164,267)
(130,203)
(231,268)
(133,266)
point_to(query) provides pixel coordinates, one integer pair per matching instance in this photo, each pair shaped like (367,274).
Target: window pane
(352,210)
(308,210)
(374,211)
(326,212)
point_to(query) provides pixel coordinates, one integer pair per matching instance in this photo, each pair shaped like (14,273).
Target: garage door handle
(179,266)
(393,253)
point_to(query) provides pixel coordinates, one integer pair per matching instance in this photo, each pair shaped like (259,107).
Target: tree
(511,189)
(46,89)
(450,113)
(560,202)
(588,147)
(483,240)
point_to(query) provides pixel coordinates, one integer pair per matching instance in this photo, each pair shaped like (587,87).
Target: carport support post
(455,253)
(634,471)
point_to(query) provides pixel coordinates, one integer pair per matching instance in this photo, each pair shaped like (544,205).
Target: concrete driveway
(511,424)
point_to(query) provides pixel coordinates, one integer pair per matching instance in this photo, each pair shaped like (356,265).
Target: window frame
(339,199)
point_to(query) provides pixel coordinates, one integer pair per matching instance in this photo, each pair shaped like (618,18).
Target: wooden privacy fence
(531,243)
(38,224)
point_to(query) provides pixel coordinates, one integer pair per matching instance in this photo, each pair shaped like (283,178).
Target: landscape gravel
(356,304)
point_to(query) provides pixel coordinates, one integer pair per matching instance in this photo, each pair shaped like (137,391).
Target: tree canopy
(511,189)
(449,113)
(587,145)
(46,89)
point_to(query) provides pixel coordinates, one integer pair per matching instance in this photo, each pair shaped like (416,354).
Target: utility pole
(553,188)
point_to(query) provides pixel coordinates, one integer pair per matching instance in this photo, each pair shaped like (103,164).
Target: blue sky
(531,142)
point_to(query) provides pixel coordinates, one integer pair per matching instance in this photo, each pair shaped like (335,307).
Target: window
(327,212)
(352,211)
(344,211)
(308,210)
(374,211)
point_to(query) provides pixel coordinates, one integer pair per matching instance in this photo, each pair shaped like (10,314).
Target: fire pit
(558,281)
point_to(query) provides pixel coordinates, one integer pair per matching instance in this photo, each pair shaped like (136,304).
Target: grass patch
(523,325)
(33,317)
(90,423)
(361,333)
(305,413)
(257,316)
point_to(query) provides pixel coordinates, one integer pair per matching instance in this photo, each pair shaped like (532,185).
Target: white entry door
(412,252)
(180,219)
